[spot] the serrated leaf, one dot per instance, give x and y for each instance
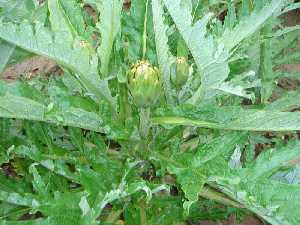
(250, 24)
(231, 118)
(291, 7)
(74, 14)
(240, 85)
(11, 185)
(57, 166)
(63, 209)
(40, 40)
(289, 59)
(38, 182)
(17, 10)
(266, 66)
(29, 222)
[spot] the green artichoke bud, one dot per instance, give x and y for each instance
(180, 72)
(144, 84)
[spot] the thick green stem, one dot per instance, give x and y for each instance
(209, 193)
(144, 122)
(124, 104)
(143, 214)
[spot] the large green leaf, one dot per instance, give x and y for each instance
(75, 57)
(230, 118)
(28, 222)
(252, 186)
(270, 161)
(24, 108)
(6, 50)
(66, 19)
(134, 31)
(17, 10)
(109, 26)
(59, 22)
(164, 56)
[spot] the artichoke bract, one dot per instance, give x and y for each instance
(144, 84)
(180, 72)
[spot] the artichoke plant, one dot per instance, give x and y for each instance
(144, 84)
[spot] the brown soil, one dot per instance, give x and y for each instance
(29, 68)
(232, 221)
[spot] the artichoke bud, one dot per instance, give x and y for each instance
(180, 72)
(144, 84)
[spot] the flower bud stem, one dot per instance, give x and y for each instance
(144, 121)
(145, 31)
